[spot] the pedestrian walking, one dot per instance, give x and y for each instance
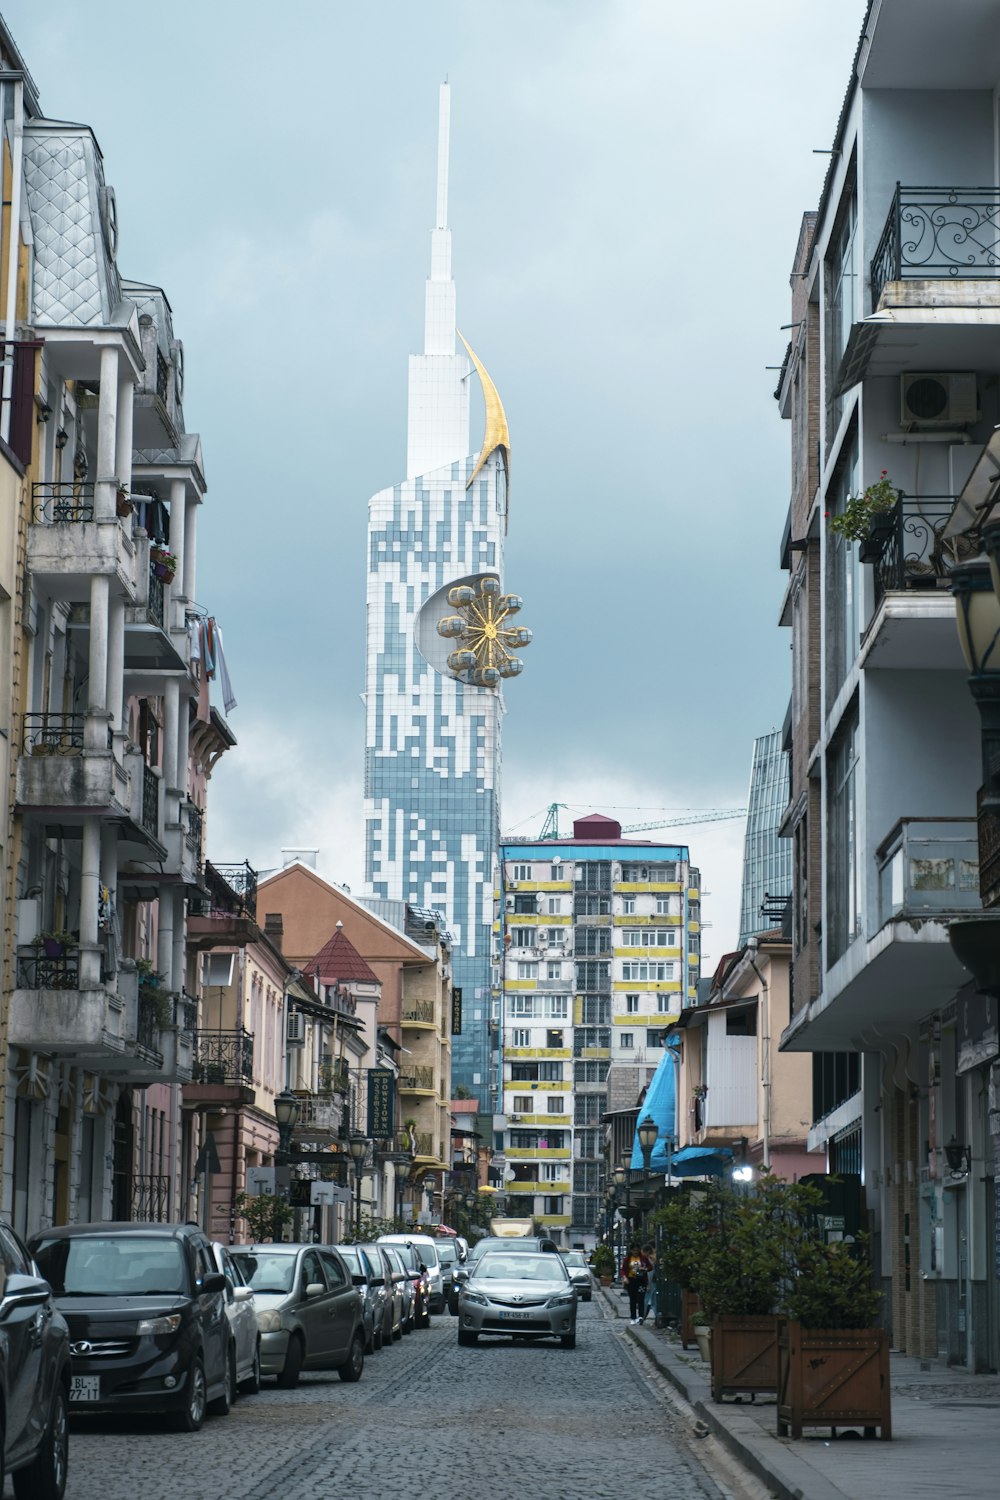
(635, 1273)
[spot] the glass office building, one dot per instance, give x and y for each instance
(767, 859)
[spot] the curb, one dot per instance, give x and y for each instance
(790, 1476)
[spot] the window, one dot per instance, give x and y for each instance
(553, 1205)
(667, 906)
(525, 937)
(595, 1010)
(558, 873)
(588, 1142)
(631, 1005)
(553, 971)
(842, 887)
(626, 1039)
(334, 1271)
(555, 906)
(536, 1072)
(591, 904)
(520, 1037)
(593, 977)
(553, 1038)
(844, 282)
(557, 1104)
(594, 875)
(551, 1171)
(585, 1212)
(592, 940)
(587, 1109)
(522, 1006)
(595, 1071)
(843, 576)
(586, 1177)
(628, 905)
(522, 872)
(642, 972)
(649, 937)
(585, 1037)
(665, 1002)
(654, 1037)
(526, 970)
(525, 905)
(524, 1104)
(742, 1022)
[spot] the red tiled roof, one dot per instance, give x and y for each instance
(340, 960)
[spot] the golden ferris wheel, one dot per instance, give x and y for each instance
(485, 638)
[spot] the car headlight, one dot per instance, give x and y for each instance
(269, 1320)
(476, 1297)
(169, 1324)
(565, 1299)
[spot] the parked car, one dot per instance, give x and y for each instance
(419, 1284)
(391, 1301)
(579, 1273)
(34, 1377)
(146, 1310)
(520, 1244)
(530, 1296)
(308, 1310)
(372, 1289)
(428, 1250)
(403, 1287)
(452, 1272)
(242, 1314)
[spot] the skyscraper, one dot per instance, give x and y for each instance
(433, 713)
(767, 859)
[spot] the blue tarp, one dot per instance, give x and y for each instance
(701, 1161)
(660, 1105)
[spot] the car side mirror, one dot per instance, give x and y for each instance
(358, 1280)
(315, 1289)
(213, 1282)
(23, 1291)
(242, 1293)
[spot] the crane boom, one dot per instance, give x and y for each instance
(550, 828)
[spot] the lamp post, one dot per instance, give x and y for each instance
(977, 607)
(620, 1175)
(286, 1112)
(358, 1148)
(647, 1133)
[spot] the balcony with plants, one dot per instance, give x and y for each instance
(69, 542)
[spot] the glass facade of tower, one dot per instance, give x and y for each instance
(767, 859)
(432, 755)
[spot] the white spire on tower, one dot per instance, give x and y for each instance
(439, 303)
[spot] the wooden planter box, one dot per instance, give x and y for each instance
(833, 1377)
(744, 1355)
(690, 1315)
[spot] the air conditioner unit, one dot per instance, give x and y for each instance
(937, 400)
(295, 1028)
(509, 903)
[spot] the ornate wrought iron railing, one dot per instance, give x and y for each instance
(416, 1077)
(232, 890)
(223, 1057)
(187, 1012)
(151, 1199)
(423, 1143)
(162, 377)
(418, 1010)
(910, 552)
(195, 823)
(150, 800)
(147, 1029)
(37, 971)
(60, 500)
(52, 734)
(334, 1077)
(931, 232)
(154, 605)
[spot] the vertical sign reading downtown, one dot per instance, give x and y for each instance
(381, 1103)
(456, 1011)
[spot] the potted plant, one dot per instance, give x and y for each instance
(54, 944)
(679, 1248)
(867, 518)
(123, 501)
(604, 1264)
(833, 1364)
(163, 562)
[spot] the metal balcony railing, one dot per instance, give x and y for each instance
(232, 890)
(57, 501)
(423, 1143)
(36, 971)
(195, 823)
(52, 734)
(162, 377)
(418, 1010)
(223, 1057)
(908, 550)
(154, 605)
(945, 233)
(187, 1012)
(147, 1030)
(150, 800)
(334, 1077)
(415, 1076)
(151, 1199)
(928, 868)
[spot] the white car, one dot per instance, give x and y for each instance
(242, 1315)
(427, 1249)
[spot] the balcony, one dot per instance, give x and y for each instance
(57, 771)
(67, 546)
(949, 234)
(419, 1015)
(182, 840)
(929, 869)
(423, 1144)
(416, 1079)
(151, 645)
(231, 891)
(223, 1057)
(913, 618)
(320, 1115)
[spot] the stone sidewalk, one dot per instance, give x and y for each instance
(944, 1421)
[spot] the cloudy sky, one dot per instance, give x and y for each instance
(627, 181)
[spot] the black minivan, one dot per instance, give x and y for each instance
(147, 1319)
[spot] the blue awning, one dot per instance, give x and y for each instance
(660, 1105)
(701, 1161)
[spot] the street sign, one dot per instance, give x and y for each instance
(381, 1103)
(208, 1157)
(323, 1192)
(260, 1180)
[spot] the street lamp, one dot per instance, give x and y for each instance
(977, 607)
(358, 1147)
(621, 1178)
(647, 1133)
(286, 1112)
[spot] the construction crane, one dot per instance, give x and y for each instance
(550, 828)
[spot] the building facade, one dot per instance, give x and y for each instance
(891, 376)
(767, 858)
(598, 945)
(432, 746)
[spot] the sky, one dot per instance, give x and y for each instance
(627, 183)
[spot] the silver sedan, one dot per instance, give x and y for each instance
(524, 1296)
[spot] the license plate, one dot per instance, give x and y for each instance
(85, 1388)
(514, 1315)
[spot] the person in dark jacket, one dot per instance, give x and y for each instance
(635, 1273)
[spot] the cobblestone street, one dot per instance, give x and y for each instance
(426, 1418)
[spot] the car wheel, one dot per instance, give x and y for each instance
(397, 1332)
(464, 1337)
(407, 1324)
(292, 1368)
(353, 1365)
(568, 1340)
(192, 1413)
(251, 1385)
(45, 1476)
(223, 1405)
(453, 1306)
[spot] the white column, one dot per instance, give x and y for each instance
(97, 687)
(123, 435)
(180, 942)
(107, 424)
(178, 510)
(90, 876)
(109, 857)
(116, 662)
(171, 695)
(190, 550)
(165, 934)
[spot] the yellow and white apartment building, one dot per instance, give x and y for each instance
(598, 948)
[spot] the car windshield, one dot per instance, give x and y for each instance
(499, 1267)
(447, 1254)
(350, 1254)
(267, 1271)
(95, 1265)
(408, 1256)
(577, 1260)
